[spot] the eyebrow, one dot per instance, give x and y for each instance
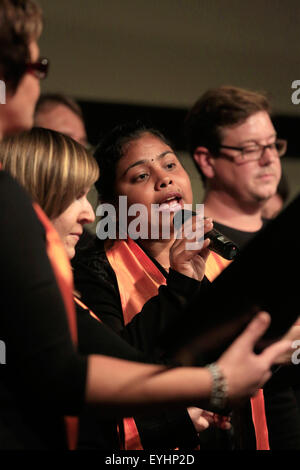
(249, 141)
(147, 160)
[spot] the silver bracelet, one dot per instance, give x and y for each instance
(219, 391)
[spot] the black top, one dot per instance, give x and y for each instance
(240, 237)
(43, 378)
(282, 410)
(160, 430)
(97, 284)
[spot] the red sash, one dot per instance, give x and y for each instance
(214, 266)
(138, 280)
(63, 273)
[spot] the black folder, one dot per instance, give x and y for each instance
(264, 276)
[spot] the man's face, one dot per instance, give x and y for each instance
(250, 181)
(60, 118)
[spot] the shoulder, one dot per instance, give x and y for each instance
(91, 259)
(17, 213)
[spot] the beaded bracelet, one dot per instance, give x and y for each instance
(219, 391)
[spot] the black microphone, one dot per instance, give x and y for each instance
(218, 242)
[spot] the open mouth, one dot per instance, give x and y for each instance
(172, 203)
(75, 236)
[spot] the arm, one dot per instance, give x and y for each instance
(117, 386)
(162, 429)
(138, 386)
(95, 280)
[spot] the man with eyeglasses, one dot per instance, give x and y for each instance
(235, 147)
(237, 152)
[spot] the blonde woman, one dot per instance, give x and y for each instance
(44, 375)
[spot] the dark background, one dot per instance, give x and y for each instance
(100, 117)
(151, 60)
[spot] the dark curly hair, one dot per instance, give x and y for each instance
(112, 148)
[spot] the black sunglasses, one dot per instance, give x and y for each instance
(39, 68)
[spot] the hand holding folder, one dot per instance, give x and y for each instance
(263, 277)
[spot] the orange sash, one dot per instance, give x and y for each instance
(138, 277)
(214, 266)
(138, 280)
(63, 273)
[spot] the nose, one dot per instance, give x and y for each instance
(268, 156)
(87, 214)
(163, 181)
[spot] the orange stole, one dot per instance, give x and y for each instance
(138, 280)
(138, 277)
(63, 273)
(214, 266)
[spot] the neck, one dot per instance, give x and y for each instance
(228, 210)
(158, 249)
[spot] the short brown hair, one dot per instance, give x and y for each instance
(48, 100)
(52, 167)
(219, 108)
(20, 23)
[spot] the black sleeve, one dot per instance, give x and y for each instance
(282, 411)
(94, 337)
(41, 362)
(97, 284)
(159, 430)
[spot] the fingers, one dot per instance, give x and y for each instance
(194, 228)
(201, 419)
(208, 224)
(190, 244)
(272, 353)
(222, 422)
(191, 248)
(256, 328)
(254, 331)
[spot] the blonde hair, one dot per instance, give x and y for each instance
(52, 167)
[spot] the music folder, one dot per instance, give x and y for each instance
(264, 276)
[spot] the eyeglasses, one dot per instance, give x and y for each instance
(39, 68)
(255, 151)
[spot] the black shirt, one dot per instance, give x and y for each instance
(43, 378)
(282, 410)
(97, 284)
